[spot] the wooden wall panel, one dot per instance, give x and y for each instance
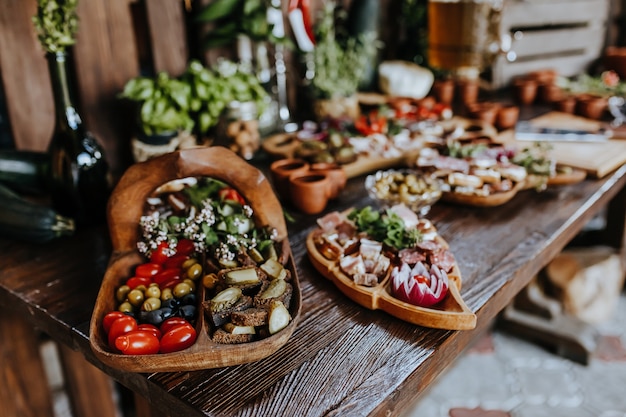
(25, 77)
(166, 22)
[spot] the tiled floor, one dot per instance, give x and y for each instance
(503, 376)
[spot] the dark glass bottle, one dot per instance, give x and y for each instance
(79, 182)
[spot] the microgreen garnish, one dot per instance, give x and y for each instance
(386, 227)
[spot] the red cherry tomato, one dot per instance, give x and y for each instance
(171, 283)
(178, 338)
(137, 342)
(109, 318)
(230, 194)
(185, 247)
(166, 275)
(175, 261)
(134, 282)
(147, 270)
(160, 254)
(172, 322)
(121, 326)
(147, 327)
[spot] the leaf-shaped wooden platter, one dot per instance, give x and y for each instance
(125, 209)
(450, 314)
(491, 200)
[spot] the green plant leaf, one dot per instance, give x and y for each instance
(218, 9)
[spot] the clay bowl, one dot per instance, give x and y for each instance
(126, 206)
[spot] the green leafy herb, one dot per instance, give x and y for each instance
(56, 23)
(385, 227)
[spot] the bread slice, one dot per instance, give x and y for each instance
(223, 337)
(249, 317)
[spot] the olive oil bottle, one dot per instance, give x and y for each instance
(80, 181)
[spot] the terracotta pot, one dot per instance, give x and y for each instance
(591, 107)
(282, 169)
(485, 112)
(525, 90)
(550, 92)
(335, 173)
(467, 91)
(507, 117)
(443, 90)
(543, 76)
(566, 105)
(310, 191)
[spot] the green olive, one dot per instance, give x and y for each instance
(181, 289)
(121, 293)
(188, 263)
(135, 297)
(195, 271)
(191, 283)
(151, 304)
(153, 291)
(125, 307)
(166, 294)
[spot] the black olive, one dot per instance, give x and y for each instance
(172, 304)
(190, 298)
(188, 312)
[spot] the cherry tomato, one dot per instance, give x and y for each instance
(230, 194)
(109, 318)
(185, 247)
(178, 338)
(137, 342)
(134, 282)
(160, 254)
(147, 327)
(171, 283)
(121, 326)
(166, 275)
(172, 322)
(422, 279)
(175, 261)
(147, 270)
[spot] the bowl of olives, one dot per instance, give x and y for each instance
(404, 186)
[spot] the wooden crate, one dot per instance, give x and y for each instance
(566, 35)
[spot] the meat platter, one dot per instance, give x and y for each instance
(227, 285)
(336, 248)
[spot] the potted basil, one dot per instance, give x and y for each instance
(164, 113)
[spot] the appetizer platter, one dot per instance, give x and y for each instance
(393, 261)
(201, 274)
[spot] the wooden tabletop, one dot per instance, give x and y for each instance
(342, 360)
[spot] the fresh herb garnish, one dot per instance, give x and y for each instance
(386, 227)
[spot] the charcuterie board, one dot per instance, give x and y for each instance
(451, 313)
(125, 211)
(285, 145)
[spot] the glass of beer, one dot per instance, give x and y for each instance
(463, 35)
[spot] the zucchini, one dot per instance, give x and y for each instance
(25, 171)
(27, 221)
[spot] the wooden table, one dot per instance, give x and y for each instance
(343, 360)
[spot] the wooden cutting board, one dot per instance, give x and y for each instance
(597, 158)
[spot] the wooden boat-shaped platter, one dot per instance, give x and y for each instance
(450, 314)
(126, 206)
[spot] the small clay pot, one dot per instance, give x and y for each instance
(485, 112)
(591, 107)
(543, 76)
(507, 116)
(566, 104)
(282, 169)
(615, 59)
(525, 90)
(310, 191)
(335, 173)
(443, 91)
(467, 91)
(550, 93)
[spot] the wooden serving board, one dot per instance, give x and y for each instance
(125, 208)
(450, 314)
(284, 145)
(597, 158)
